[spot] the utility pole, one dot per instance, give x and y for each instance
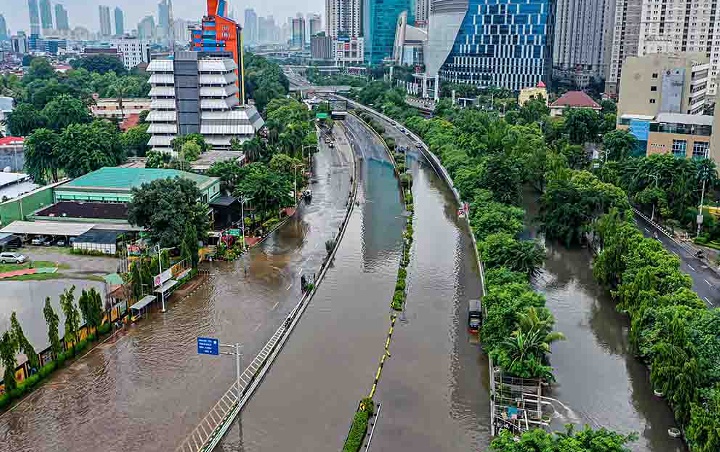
(162, 292)
(652, 216)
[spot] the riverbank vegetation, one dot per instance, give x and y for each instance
(77, 337)
(490, 158)
(585, 440)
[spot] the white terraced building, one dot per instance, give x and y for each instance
(198, 93)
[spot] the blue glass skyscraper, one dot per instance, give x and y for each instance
(379, 25)
(500, 43)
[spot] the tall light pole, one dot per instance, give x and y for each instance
(704, 175)
(652, 216)
(162, 292)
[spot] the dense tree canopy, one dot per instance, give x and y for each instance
(166, 207)
(100, 63)
(83, 148)
(264, 80)
(41, 157)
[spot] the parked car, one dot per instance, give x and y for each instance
(12, 258)
(37, 240)
(47, 241)
(60, 242)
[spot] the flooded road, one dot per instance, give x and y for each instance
(432, 390)
(598, 378)
(308, 398)
(146, 390)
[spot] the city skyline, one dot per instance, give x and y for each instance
(85, 12)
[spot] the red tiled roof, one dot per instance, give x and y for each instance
(131, 121)
(575, 99)
(11, 140)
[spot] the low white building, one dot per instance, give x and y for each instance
(198, 93)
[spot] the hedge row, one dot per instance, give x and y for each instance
(28, 384)
(359, 427)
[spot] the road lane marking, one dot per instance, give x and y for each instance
(288, 287)
(707, 299)
(647, 230)
(691, 267)
(258, 326)
(275, 305)
(708, 283)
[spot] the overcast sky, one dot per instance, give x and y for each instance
(85, 12)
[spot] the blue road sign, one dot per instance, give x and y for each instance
(208, 346)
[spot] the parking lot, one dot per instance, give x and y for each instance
(70, 265)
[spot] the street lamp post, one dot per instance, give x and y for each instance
(238, 357)
(162, 292)
(652, 216)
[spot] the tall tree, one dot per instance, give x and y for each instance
(135, 140)
(65, 110)
(40, 69)
(53, 321)
(165, 207)
(91, 308)
(101, 64)
(582, 125)
(8, 349)
(23, 344)
(41, 160)
(619, 144)
(72, 316)
(24, 120)
(83, 148)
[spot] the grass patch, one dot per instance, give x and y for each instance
(36, 264)
(35, 277)
(355, 438)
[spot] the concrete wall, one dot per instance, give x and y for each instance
(14, 158)
(661, 143)
(18, 208)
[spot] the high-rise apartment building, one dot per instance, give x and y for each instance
(19, 43)
(250, 30)
(297, 37)
(344, 18)
(488, 43)
(146, 29)
(164, 8)
(422, 12)
(645, 27)
(61, 18)
(34, 17)
(379, 26)
(46, 19)
(580, 37)
(119, 22)
(104, 12)
(219, 33)
(3, 29)
(196, 92)
(314, 25)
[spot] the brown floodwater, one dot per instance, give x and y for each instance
(146, 389)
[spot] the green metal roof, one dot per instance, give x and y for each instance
(115, 178)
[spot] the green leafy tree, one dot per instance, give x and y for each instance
(586, 440)
(40, 69)
(268, 189)
(23, 344)
(157, 159)
(72, 316)
(24, 120)
(229, 173)
(619, 144)
(179, 142)
(41, 159)
(83, 148)
(101, 64)
(703, 431)
(53, 321)
(502, 250)
(135, 140)
(8, 349)
(190, 151)
(582, 125)
(65, 110)
(90, 304)
(165, 207)
(189, 249)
